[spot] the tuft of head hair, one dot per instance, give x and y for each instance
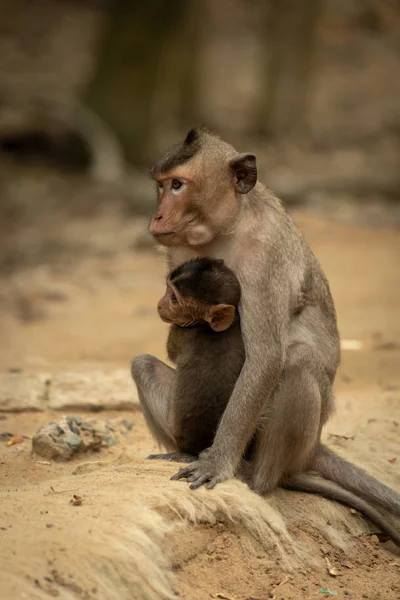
(180, 153)
(192, 136)
(208, 280)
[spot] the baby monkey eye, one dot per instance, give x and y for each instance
(176, 184)
(173, 299)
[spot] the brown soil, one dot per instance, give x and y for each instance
(98, 314)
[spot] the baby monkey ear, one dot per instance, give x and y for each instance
(244, 167)
(220, 317)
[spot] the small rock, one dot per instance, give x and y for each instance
(86, 426)
(48, 446)
(76, 500)
(73, 441)
(109, 440)
(72, 426)
(62, 440)
(345, 563)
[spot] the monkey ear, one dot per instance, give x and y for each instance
(192, 136)
(220, 316)
(244, 167)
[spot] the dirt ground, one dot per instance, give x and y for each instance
(96, 315)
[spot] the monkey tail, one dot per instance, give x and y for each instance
(310, 483)
(352, 478)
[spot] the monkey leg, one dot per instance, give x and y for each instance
(290, 427)
(154, 381)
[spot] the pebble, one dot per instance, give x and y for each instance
(62, 440)
(73, 440)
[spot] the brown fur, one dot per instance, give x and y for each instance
(205, 343)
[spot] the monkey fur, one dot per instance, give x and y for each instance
(206, 346)
(211, 204)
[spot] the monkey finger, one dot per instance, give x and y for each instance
(199, 482)
(212, 483)
(183, 473)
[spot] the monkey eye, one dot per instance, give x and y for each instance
(173, 299)
(176, 184)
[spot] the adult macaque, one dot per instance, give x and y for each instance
(211, 204)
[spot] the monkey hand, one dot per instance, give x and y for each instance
(208, 469)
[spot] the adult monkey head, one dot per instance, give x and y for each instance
(200, 181)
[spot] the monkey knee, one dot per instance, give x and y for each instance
(141, 365)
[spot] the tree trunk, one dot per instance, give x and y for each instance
(287, 53)
(123, 87)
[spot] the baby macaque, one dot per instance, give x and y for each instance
(206, 344)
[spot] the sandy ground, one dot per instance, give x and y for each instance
(99, 313)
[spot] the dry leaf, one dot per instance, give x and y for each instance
(17, 439)
(392, 460)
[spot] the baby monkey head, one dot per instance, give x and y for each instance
(201, 291)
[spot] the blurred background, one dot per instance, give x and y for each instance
(91, 92)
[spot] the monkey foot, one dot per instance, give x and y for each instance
(173, 457)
